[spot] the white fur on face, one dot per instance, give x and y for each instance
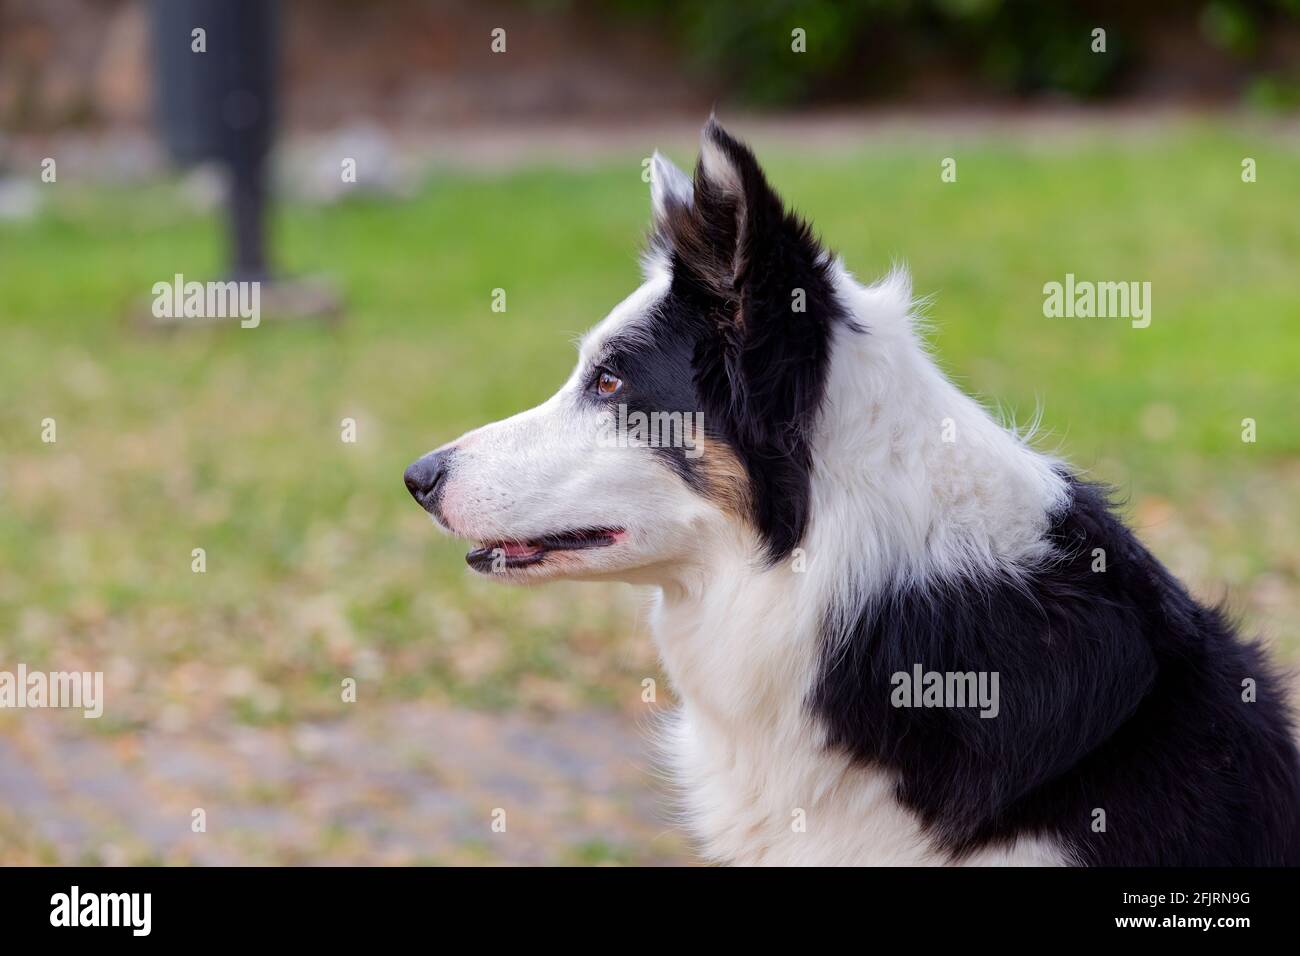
(551, 470)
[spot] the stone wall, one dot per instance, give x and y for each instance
(85, 63)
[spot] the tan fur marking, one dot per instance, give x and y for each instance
(725, 479)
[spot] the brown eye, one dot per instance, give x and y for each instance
(607, 384)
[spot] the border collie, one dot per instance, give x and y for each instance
(846, 551)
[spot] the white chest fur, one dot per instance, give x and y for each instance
(758, 785)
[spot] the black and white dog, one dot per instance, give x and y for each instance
(844, 553)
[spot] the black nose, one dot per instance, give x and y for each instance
(425, 478)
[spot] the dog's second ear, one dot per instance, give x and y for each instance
(669, 188)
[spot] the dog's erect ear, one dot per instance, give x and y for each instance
(763, 284)
(741, 212)
(669, 188)
(733, 232)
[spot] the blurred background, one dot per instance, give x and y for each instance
(513, 161)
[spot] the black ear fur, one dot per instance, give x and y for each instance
(749, 265)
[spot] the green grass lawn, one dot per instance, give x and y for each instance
(320, 567)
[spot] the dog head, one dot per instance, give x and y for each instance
(689, 413)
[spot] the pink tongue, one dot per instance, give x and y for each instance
(517, 549)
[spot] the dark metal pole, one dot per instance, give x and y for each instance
(216, 83)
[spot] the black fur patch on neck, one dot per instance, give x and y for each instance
(752, 287)
(1118, 693)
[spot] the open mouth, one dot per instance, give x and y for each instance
(499, 555)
